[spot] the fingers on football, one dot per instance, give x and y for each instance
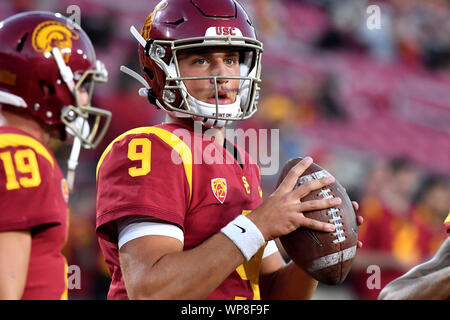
(313, 205)
(355, 205)
(309, 186)
(315, 224)
(359, 244)
(296, 171)
(359, 220)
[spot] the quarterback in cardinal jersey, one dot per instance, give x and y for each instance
(150, 172)
(180, 213)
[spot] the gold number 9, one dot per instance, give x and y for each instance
(139, 149)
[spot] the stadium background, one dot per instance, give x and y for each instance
(353, 98)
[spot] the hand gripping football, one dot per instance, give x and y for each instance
(326, 256)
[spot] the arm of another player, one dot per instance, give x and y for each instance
(15, 248)
(288, 281)
(155, 267)
(430, 280)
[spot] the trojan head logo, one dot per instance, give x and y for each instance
(219, 188)
(145, 32)
(50, 34)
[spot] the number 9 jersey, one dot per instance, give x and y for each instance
(172, 173)
(33, 196)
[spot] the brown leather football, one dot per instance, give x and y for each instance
(326, 256)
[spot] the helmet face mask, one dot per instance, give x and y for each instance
(176, 26)
(53, 61)
(96, 121)
(175, 84)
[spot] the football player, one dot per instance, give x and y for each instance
(47, 72)
(172, 226)
(429, 280)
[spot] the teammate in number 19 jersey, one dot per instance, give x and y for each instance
(47, 72)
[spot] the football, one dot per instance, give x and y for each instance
(326, 256)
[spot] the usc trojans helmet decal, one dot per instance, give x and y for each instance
(148, 22)
(49, 34)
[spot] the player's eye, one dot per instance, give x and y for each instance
(200, 61)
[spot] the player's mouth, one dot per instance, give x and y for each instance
(222, 97)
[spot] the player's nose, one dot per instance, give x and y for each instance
(220, 69)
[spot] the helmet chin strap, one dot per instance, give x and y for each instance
(82, 126)
(66, 72)
(136, 76)
(12, 99)
(79, 123)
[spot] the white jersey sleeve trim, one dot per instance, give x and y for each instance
(270, 249)
(140, 229)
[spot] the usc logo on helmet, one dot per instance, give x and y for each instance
(145, 32)
(49, 34)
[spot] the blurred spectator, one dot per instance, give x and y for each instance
(431, 207)
(393, 240)
(267, 16)
(329, 102)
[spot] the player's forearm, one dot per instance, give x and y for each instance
(433, 286)
(190, 274)
(10, 291)
(429, 280)
(288, 283)
(15, 247)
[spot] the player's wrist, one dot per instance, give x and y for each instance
(245, 235)
(259, 223)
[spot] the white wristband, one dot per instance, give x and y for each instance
(245, 235)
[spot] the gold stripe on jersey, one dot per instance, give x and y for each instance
(65, 294)
(169, 138)
(18, 140)
(447, 220)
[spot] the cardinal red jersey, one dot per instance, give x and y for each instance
(174, 174)
(33, 195)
